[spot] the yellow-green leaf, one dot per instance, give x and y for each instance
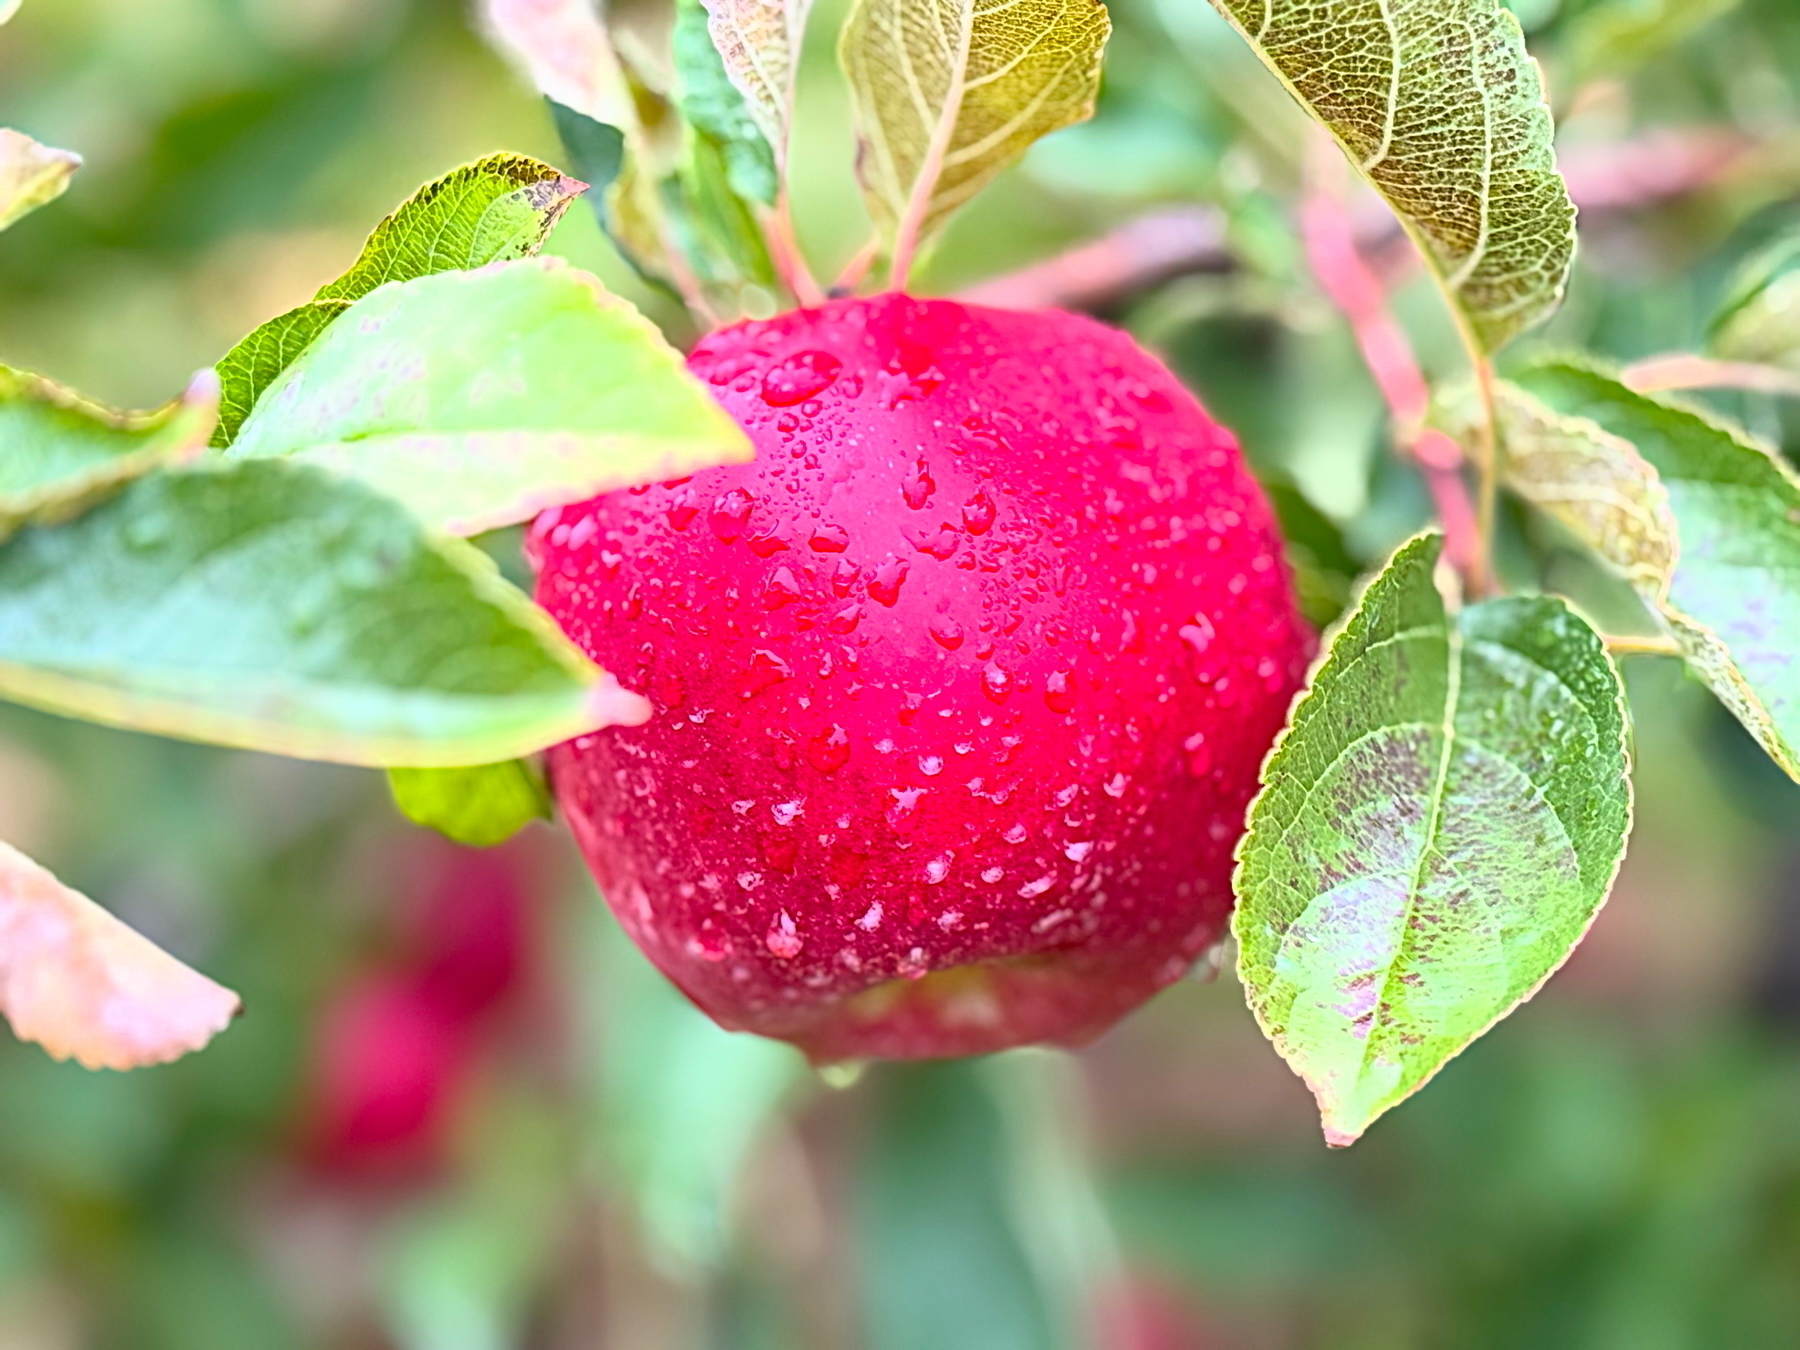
(1440, 107)
(85, 987)
(499, 208)
(481, 806)
(30, 174)
(1733, 601)
(949, 92)
(479, 399)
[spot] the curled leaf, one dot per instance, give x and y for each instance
(86, 987)
(31, 174)
(1439, 105)
(949, 92)
(1439, 825)
(1595, 483)
(1733, 601)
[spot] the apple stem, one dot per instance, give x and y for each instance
(1346, 277)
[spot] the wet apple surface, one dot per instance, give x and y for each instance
(961, 688)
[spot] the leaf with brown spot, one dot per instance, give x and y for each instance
(84, 986)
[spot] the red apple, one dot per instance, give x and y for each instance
(961, 687)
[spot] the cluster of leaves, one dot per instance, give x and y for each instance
(1445, 813)
(279, 560)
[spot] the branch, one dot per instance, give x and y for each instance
(1346, 277)
(1138, 256)
(1156, 248)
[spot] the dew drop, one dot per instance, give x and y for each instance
(885, 585)
(918, 485)
(1059, 691)
(978, 513)
(947, 632)
(995, 682)
(829, 539)
(782, 588)
(730, 513)
(783, 939)
(829, 750)
(798, 377)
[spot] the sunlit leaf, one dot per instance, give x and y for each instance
(85, 987)
(59, 451)
(1734, 600)
(482, 398)
(481, 805)
(275, 607)
(758, 42)
(30, 174)
(1438, 104)
(1593, 482)
(716, 109)
(949, 92)
(1439, 825)
(496, 209)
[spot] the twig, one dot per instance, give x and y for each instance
(1682, 370)
(1137, 256)
(1347, 278)
(1142, 254)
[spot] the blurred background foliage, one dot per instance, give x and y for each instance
(461, 1113)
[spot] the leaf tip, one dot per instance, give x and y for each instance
(611, 704)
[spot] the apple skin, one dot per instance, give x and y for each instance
(961, 688)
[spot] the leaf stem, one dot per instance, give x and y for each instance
(1353, 286)
(786, 255)
(857, 268)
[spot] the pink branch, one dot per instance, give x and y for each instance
(1328, 230)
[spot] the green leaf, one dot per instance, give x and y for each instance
(948, 93)
(30, 174)
(1760, 318)
(716, 110)
(1734, 599)
(595, 149)
(1439, 825)
(275, 607)
(1440, 107)
(481, 805)
(481, 398)
(758, 49)
(499, 208)
(59, 451)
